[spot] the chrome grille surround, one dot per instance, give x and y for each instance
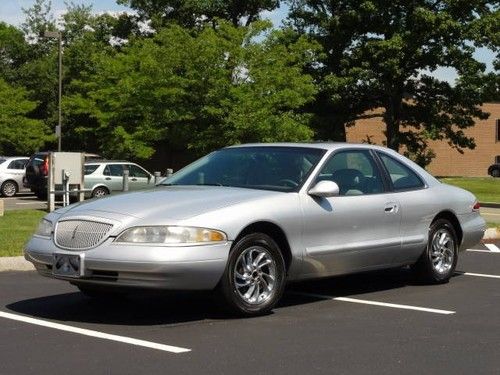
(80, 234)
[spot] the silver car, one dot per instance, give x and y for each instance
(12, 170)
(245, 219)
(103, 177)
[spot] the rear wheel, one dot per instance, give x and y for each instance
(437, 263)
(9, 189)
(254, 279)
(100, 192)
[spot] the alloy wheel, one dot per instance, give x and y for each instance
(442, 251)
(255, 275)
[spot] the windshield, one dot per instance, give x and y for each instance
(269, 168)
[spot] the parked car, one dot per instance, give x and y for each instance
(494, 170)
(246, 219)
(12, 171)
(37, 171)
(103, 177)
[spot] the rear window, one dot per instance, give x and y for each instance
(89, 169)
(37, 160)
(2, 161)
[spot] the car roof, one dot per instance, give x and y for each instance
(319, 145)
(13, 157)
(108, 162)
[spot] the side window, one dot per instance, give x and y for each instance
(113, 170)
(136, 171)
(17, 164)
(402, 177)
(354, 171)
(89, 169)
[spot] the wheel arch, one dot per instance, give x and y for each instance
(100, 186)
(452, 218)
(275, 232)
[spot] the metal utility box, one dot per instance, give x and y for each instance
(66, 172)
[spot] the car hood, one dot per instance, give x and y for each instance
(170, 202)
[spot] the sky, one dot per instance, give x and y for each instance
(11, 12)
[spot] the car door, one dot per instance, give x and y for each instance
(416, 207)
(139, 178)
(16, 171)
(358, 229)
(113, 177)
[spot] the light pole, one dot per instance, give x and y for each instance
(57, 35)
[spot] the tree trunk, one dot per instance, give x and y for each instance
(392, 119)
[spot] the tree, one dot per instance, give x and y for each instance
(380, 54)
(189, 13)
(19, 133)
(203, 90)
(13, 51)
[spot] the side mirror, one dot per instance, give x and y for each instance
(325, 189)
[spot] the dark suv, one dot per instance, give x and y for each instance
(494, 170)
(37, 171)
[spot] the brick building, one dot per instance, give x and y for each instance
(448, 161)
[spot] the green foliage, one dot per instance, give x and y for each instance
(18, 132)
(379, 53)
(203, 90)
(190, 13)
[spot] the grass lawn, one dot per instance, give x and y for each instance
(486, 189)
(16, 227)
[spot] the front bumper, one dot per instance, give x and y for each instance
(143, 266)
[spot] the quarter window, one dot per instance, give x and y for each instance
(497, 159)
(354, 171)
(89, 169)
(402, 177)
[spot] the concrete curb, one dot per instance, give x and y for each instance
(15, 264)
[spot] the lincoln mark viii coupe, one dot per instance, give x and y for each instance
(246, 219)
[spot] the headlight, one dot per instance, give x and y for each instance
(44, 228)
(170, 235)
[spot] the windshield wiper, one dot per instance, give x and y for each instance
(211, 184)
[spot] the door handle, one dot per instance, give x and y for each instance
(134, 179)
(108, 178)
(391, 208)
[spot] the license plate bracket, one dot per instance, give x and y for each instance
(68, 265)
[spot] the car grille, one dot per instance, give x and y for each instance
(80, 234)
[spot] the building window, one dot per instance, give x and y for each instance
(497, 159)
(498, 131)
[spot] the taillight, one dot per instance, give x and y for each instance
(476, 206)
(45, 166)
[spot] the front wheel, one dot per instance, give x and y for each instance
(100, 192)
(9, 189)
(254, 279)
(437, 263)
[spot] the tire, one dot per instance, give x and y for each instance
(437, 264)
(495, 173)
(9, 189)
(100, 192)
(254, 292)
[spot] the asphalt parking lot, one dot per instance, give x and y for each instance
(377, 322)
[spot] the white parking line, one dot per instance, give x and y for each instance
(376, 303)
(479, 251)
(492, 247)
(479, 275)
(91, 333)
